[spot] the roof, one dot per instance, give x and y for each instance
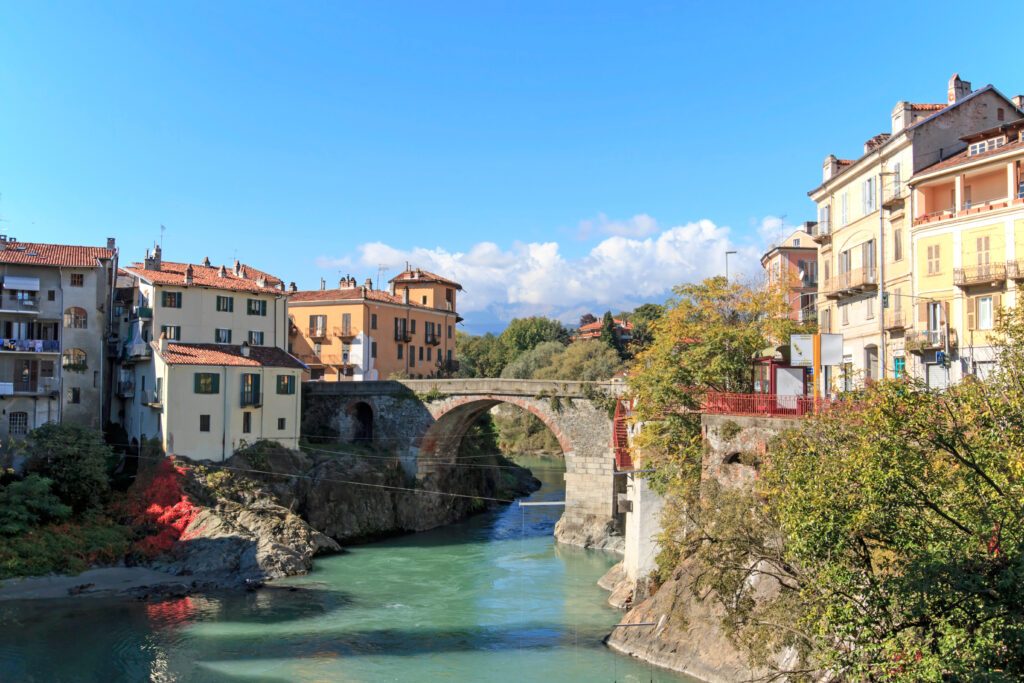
(354, 294)
(596, 326)
(417, 275)
(53, 255)
(227, 354)
(247, 279)
(963, 158)
(923, 106)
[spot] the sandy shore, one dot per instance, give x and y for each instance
(111, 581)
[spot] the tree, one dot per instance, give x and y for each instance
(587, 319)
(76, 459)
(29, 502)
(479, 356)
(609, 335)
(525, 366)
(586, 360)
(646, 313)
(522, 334)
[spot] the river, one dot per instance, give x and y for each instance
(489, 599)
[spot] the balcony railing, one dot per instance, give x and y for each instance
(925, 340)
(432, 338)
(126, 389)
(20, 305)
(251, 398)
(893, 194)
(344, 333)
(895, 320)
(979, 275)
(851, 282)
(317, 332)
(137, 351)
(1015, 269)
(403, 335)
(151, 397)
(766, 405)
(30, 345)
(822, 231)
(968, 209)
(142, 312)
(35, 386)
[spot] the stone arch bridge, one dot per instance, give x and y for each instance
(424, 422)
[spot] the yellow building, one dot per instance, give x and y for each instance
(793, 263)
(863, 227)
(356, 333)
(204, 367)
(968, 246)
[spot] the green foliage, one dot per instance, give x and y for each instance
(433, 394)
(523, 334)
(587, 360)
(522, 432)
(27, 503)
(526, 365)
(587, 319)
(481, 356)
(729, 430)
(608, 336)
(67, 548)
(76, 459)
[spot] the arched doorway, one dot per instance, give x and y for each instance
(362, 422)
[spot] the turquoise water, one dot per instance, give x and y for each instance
(490, 599)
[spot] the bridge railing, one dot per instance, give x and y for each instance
(762, 405)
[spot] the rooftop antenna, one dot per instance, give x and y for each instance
(381, 267)
(163, 229)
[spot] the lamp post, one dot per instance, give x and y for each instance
(727, 254)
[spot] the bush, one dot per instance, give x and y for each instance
(76, 459)
(28, 502)
(64, 548)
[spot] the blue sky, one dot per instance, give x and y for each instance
(557, 157)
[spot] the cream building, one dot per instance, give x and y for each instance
(204, 366)
(865, 258)
(968, 246)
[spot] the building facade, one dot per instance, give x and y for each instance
(53, 331)
(357, 333)
(968, 247)
(203, 366)
(621, 329)
(793, 265)
(865, 261)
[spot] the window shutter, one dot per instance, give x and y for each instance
(997, 303)
(256, 384)
(922, 313)
(945, 316)
(195, 383)
(215, 384)
(972, 313)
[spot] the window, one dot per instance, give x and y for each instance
(286, 384)
(897, 244)
(449, 295)
(897, 179)
(17, 424)
(868, 198)
(373, 321)
(428, 352)
(412, 326)
(77, 280)
(844, 215)
(250, 389)
(449, 331)
(74, 395)
(1000, 114)
(170, 299)
(346, 324)
(424, 299)
(421, 353)
(223, 336)
(171, 332)
(870, 308)
(373, 349)
(984, 312)
(846, 313)
(256, 307)
(76, 318)
(74, 359)
(51, 295)
(206, 383)
(46, 368)
(204, 423)
(824, 216)
(933, 260)
(226, 304)
(318, 326)
(412, 355)
(983, 244)
(281, 424)
(400, 352)
(256, 337)
(899, 366)
(246, 422)
(986, 145)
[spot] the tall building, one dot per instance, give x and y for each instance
(968, 252)
(53, 318)
(356, 332)
(793, 264)
(204, 367)
(863, 226)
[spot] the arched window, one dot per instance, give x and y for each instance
(76, 318)
(17, 424)
(74, 359)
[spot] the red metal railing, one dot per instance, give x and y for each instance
(620, 436)
(764, 405)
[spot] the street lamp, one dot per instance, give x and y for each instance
(727, 264)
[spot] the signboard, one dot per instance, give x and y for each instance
(801, 350)
(831, 349)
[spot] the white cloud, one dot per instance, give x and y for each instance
(640, 225)
(618, 273)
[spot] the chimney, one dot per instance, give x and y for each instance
(958, 89)
(237, 267)
(405, 295)
(292, 287)
(206, 261)
(111, 243)
(152, 262)
(222, 272)
(1018, 101)
(245, 349)
(830, 167)
(323, 284)
(901, 116)
(163, 343)
(188, 274)
(261, 281)
(368, 284)
(808, 227)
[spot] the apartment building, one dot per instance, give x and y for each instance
(53, 327)
(863, 226)
(793, 265)
(357, 332)
(968, 247)
(204, 366)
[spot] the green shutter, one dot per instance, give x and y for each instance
(215, 384)
(197, 377)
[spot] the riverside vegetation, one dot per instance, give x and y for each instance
(889, 528)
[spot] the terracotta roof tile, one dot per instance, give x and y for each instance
(924, 106)
(964, 158)
(227, 354)
(172, 273)
(56, 255)
(415, 275)
(348, 294)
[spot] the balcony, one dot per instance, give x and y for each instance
(138, 351)
(345, 334)
(35, 386)
(20, 305)
(894, 194)
(969, 209)
(1015, 269)
(317, 332)
(126, 389)
(895, 320)
(918, 341)
(432, 339)
(988, 273)
(151, 397)
(934, 216)
(822, 232)
(142, 312)
(30, 345)
(403, 336)
(251, 398)
(309, 358)
(851, 282)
